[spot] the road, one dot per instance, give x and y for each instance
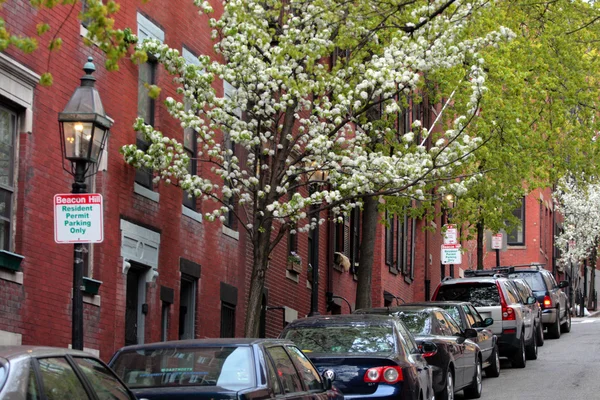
(567, 368)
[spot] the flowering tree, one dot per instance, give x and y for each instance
(580, 207)
(294, 115)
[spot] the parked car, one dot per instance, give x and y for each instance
(221, 369)
(369, 356)
(495, 296)
(468, 317)
(556, 315)
(31, 372)
(525, 292)
(457, 361)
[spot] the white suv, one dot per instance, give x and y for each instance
(495, 296)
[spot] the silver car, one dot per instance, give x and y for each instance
(30, 372)
(494, 296)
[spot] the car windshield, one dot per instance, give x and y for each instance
(480, 294)
(535, 280)
(343, 338)
(228, 367)
(417, 322)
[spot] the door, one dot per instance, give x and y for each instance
(526, 313)
(132, 306)
(289, 379)
(485, 338)
(450, 330)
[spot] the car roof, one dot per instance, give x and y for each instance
(14, 352)
(441, 303)
(474, 279)
(224, 342)
(343, 319)
(407, 307)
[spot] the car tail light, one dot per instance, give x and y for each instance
(508, 331)
(508, 313)
(384, 375)
(547, 302)
(427, 353)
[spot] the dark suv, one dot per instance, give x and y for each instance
(556, 315)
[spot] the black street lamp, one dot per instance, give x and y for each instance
(83, 131)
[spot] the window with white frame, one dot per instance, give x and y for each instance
(8, 134)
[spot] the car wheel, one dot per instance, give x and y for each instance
(493, 371)
(566, 327)
(554, 329)
(540, 335)
(474, 391)
(448, 392)
(519, 359)
(531, 351)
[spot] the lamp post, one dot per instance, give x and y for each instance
(83, 131)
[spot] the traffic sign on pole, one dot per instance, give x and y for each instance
(497, 241)
(78, 218)
(451, 254)
(450, 234)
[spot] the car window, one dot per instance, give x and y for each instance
(309, 374)
(510, 293)
(480, 294)
(359, 338)
(228, 366)
(105, 384)
(275, 385)
(452, 325)
(520, 290)
(406, 338)
(553, 281)
(454, 312)
(470, 317)
(477, 316)
(3, 372)
(535, 280)
(285, 369)
(417, 322)
(59, 381)
(33, 392)
(549, 283)
(445, 329)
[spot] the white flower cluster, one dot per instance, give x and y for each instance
(580, 207)
(296, 116)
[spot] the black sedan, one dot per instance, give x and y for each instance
(221, 369)
(467, 317)
(368, 356)
(456, 361)
(36, 372)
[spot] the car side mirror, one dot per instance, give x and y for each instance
(328, 378)
(563, 284)
(531, 300)
(488, 322)
(470, 333)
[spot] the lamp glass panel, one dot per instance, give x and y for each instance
(97, 143)
(77, 136)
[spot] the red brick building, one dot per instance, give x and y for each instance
(163, 273)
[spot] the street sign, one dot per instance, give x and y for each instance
(451, 254)
(78, 218)
(497, 241)
(450, 234)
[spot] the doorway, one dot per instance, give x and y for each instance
(134, 299)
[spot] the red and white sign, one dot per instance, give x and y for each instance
(450, 234)
(78, 218)
(451, 254)
(497, 241)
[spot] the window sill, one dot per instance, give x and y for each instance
(12, 276)
(516, 247)
(145, 192)
(308, 285)
(292, 276)
(188, 212)
(231, 233)
(91, 299)
(408, 280)
(393, 270)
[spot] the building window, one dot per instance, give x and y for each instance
(227, 320)
(389, 239)
(164, 322)
(187, 307)
(230, 220)
(8, 133)
(146, 77)
(190, 143)
(354, 239)
(402, 243)
(516, 236)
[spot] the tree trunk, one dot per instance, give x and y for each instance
(480, 238)
(260, 263)
(592, 291)
(367, 247)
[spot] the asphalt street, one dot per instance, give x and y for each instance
(567, 368)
